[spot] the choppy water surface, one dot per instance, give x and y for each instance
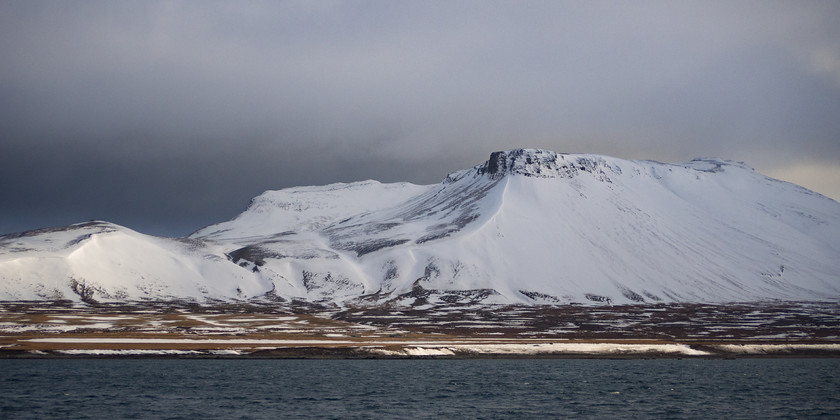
(172, 388)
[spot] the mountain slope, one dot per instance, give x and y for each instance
(527, 226)
(100, 261)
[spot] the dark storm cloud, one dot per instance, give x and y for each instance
(166, 116)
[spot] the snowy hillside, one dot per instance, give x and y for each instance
(527, 226)
(104, 262)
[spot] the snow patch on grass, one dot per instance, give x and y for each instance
(127, 352)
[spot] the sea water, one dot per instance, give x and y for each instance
(487, 388)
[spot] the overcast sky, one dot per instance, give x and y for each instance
(169, 116)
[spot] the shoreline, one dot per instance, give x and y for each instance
(233, 348)
(160, 330)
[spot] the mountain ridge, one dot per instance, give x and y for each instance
(526, 226)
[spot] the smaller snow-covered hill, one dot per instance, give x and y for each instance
(106, 262)
(527, 226)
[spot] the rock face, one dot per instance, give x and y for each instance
(541, 164)
(527, 226)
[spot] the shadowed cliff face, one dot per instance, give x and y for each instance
(544, 164)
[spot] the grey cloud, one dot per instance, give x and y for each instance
(170, 115)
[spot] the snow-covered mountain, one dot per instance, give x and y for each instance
(527, 226)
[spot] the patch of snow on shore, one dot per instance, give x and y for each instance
(127, 352)
(541, 348)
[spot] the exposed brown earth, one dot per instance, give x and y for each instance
(61, 329)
